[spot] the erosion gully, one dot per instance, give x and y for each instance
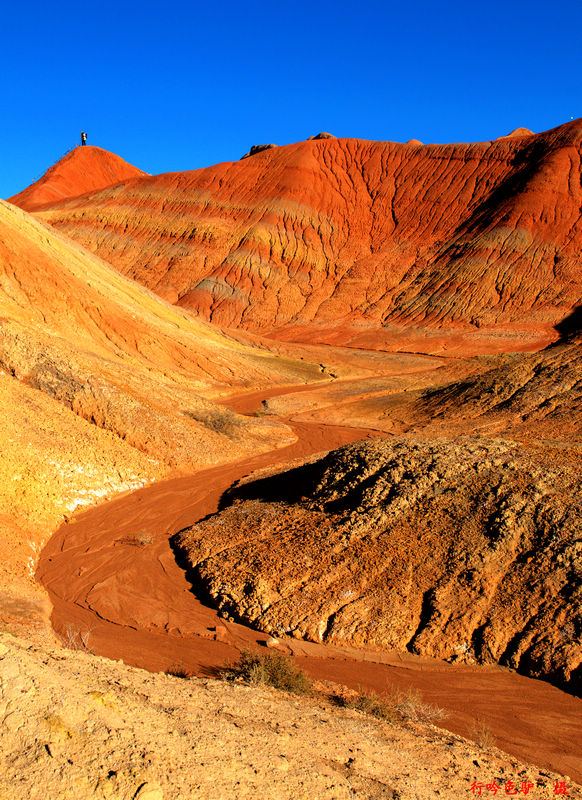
(135, 604)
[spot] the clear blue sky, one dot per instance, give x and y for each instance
(180, 85)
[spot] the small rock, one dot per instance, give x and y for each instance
(149, 791)
(272, 641)
(257, 148)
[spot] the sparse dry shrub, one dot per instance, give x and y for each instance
(219, 420)
(141, 539)
(76, 639)
(269, 670)
(178, 670)
(369, 702)
(482, 734)
(411, 706)
(395, 706)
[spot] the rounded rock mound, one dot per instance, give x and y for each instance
(82, 170)
(464, 549)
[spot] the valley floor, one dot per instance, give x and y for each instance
(112, 576)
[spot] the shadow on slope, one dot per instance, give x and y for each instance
(571, 326)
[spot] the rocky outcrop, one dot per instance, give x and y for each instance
(84, 169)
(439, 248)
(258, 148)
(466, 550)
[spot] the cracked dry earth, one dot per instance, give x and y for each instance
(78, 726)
(466, 550)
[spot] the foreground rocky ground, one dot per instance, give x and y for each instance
(76, 726)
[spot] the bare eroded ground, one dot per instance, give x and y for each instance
(112, 572)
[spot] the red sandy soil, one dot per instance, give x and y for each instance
(463, 248)
(111, 572)
(84, 169)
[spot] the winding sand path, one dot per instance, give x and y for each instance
(111, 573)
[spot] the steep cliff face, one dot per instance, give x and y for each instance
(84, 169)
(472, 246)
(459, 549)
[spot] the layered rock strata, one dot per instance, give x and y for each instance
(462, 247)
(101, 387)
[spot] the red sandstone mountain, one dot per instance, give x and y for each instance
(518, 132)
(84, 169)
(377, 244)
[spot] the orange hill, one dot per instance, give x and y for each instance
(84, 169)
(104, 387)
(463, 247)
(118, 356)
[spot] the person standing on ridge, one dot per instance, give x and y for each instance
(83, 138)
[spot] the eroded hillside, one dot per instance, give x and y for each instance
(464, 247)
(467, 549)
(101, 387)
(533, 397)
